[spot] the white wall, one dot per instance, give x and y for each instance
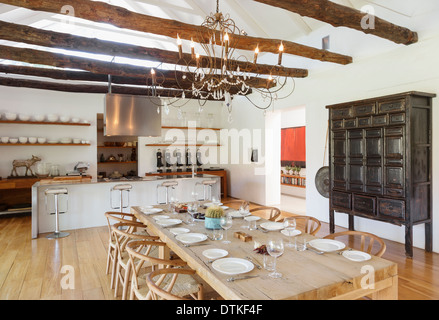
(31, 102)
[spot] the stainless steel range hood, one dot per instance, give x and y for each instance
(128, 115)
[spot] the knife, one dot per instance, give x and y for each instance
(231, 279)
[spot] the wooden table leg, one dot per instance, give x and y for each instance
(389, 293)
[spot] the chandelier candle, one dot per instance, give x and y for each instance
(180, 48)
(256, 55)
(281, 50)
(192, 48)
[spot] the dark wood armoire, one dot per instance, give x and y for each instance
(381, 162)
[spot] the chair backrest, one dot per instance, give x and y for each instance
(139, 252)
(235, 204)
(367, 241)
(270, 213)
(155, 282)
(122, 237)
(308, 224)
(115, 217)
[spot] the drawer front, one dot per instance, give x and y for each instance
(363, 204)
(351, 123)
(374, 190)
(364, 122)
(394, 192)
(379, 120)
(341, 113)
(337, 124)
(341, 200)
(391, 106)
(364, 110)
(390, 208)
(397, 118)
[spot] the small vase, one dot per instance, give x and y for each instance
(212, 223)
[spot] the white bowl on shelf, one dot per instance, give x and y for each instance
(75, 120)
(39, 117)
(76, 141)
(5, 139)
(41, 140)
(24, 117)
(10, 116)
(66, 140)
(13, 140)
(22, 139)
(32, 140)
(64, 118)
(52, 117)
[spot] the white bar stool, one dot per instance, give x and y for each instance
(207, 186)
(121, 188)
(56, 192)
(167, 185)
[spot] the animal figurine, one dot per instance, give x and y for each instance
(24, 163)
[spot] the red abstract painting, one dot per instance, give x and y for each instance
(293, 146)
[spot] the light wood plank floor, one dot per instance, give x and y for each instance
(30, 268)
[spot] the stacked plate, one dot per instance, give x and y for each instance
(327, 245)
(168, 222)
(150, 210)
(237, 214)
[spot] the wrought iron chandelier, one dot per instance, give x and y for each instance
(219, 71)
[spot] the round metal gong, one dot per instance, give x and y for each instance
(322, 181)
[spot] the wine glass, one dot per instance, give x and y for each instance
(275, 248)
(192, 210)
(173, 203)
(226, 223)
(215, 200)
(289, 228)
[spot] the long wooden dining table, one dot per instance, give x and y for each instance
(305, 274)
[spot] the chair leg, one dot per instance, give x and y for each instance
(126, 283)
(117, 280)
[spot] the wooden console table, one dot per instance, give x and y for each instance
(220, 173)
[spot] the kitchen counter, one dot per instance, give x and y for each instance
(87, 201)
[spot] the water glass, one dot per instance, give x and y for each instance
(300, 244)
(268, 262)
(217, 234)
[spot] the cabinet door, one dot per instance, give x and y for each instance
(356, 160)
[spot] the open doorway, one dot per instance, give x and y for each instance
(293, 160)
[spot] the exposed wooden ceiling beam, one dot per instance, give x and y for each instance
(341, 16)
(102, 12)
(168, 78)
(83, 88)
(20, 33)
(61, 74)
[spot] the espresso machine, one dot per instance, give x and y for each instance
(168, 162)
(188, 160)
(199, 163)
(180, 163)
(159, 156)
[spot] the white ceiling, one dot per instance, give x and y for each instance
(256, 19)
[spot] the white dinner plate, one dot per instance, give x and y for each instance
(236, 214)
(233, 265)
(272, 226)
(357, 256)
(294, 233)
(176, 231)
(156, 218)
(190, 238)
(215, 253)
(252, 218)
(168, 222)
(147, 210)
(327, 245)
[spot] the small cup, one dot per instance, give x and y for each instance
(5, 139)
(217, 234)
(300, 243)
(269, 262)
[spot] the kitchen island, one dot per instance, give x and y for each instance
(87, 202)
